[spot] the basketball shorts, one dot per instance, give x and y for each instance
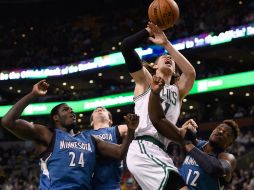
(149, 164)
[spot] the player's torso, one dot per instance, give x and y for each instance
(71, 163)
(107, 172)
(171, 105)
(195, 177)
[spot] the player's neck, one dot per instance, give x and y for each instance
(63, 128)
(99, 125)
(210, 148)
(165, 77)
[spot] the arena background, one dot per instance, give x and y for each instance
(75, 45)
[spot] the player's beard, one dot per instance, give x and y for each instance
(71, 126)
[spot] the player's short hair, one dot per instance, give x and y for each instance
(109, 115)
(53, 112)
(152, 70)
(234, 126)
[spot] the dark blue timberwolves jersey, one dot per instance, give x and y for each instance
(107, 171)
(71, 163)
(195, 177)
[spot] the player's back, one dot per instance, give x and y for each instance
(70, 164)
(107, 171)
(195, 177)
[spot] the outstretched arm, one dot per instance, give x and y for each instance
(119, 151)
(22, 128)
(156, 114)
(188, 75)
(158, 118)
(222, 166)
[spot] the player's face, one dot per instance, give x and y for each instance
(101, 114)
(166, 64)
(222, 136)
(67, 117)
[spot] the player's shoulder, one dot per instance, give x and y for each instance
(227, 156)
(122, 130)
(88, 132)
(43, 129)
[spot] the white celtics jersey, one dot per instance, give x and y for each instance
(171, 105)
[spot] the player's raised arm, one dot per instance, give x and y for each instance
(119, 151)
(22, 128)
(134, 64)
(188, 75)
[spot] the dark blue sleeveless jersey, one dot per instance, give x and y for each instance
(107, 171)
(195, 177)
(71, 163)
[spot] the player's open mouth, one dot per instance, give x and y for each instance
(168, 62)
(73, 116)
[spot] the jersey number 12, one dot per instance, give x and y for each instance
(193, 182)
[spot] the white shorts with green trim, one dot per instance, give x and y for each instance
(149, 164)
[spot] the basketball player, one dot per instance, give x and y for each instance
(67, 159)
(107, 173)
(207, 166)
(146, 157)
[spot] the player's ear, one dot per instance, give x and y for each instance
(155, 66)
(56, 118)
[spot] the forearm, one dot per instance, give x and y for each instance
(127, 139)
(114, 150)
(157, 116)
(134, 40)
(184, 65)
(155, 109)
(210, 164)
(128, 46)
(15, 112)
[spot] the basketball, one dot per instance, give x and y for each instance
(163, 13)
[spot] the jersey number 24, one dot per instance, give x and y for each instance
(78, 161)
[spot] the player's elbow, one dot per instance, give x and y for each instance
(5, 122)
(215, 171)
(192, 73)
(125, 45)
(120, 154)
(222, 168)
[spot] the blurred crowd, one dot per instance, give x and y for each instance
(19, 170)
(39, 41)
(216, 109)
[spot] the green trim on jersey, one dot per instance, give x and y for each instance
(141, 95)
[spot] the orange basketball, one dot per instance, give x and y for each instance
(163, 13)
